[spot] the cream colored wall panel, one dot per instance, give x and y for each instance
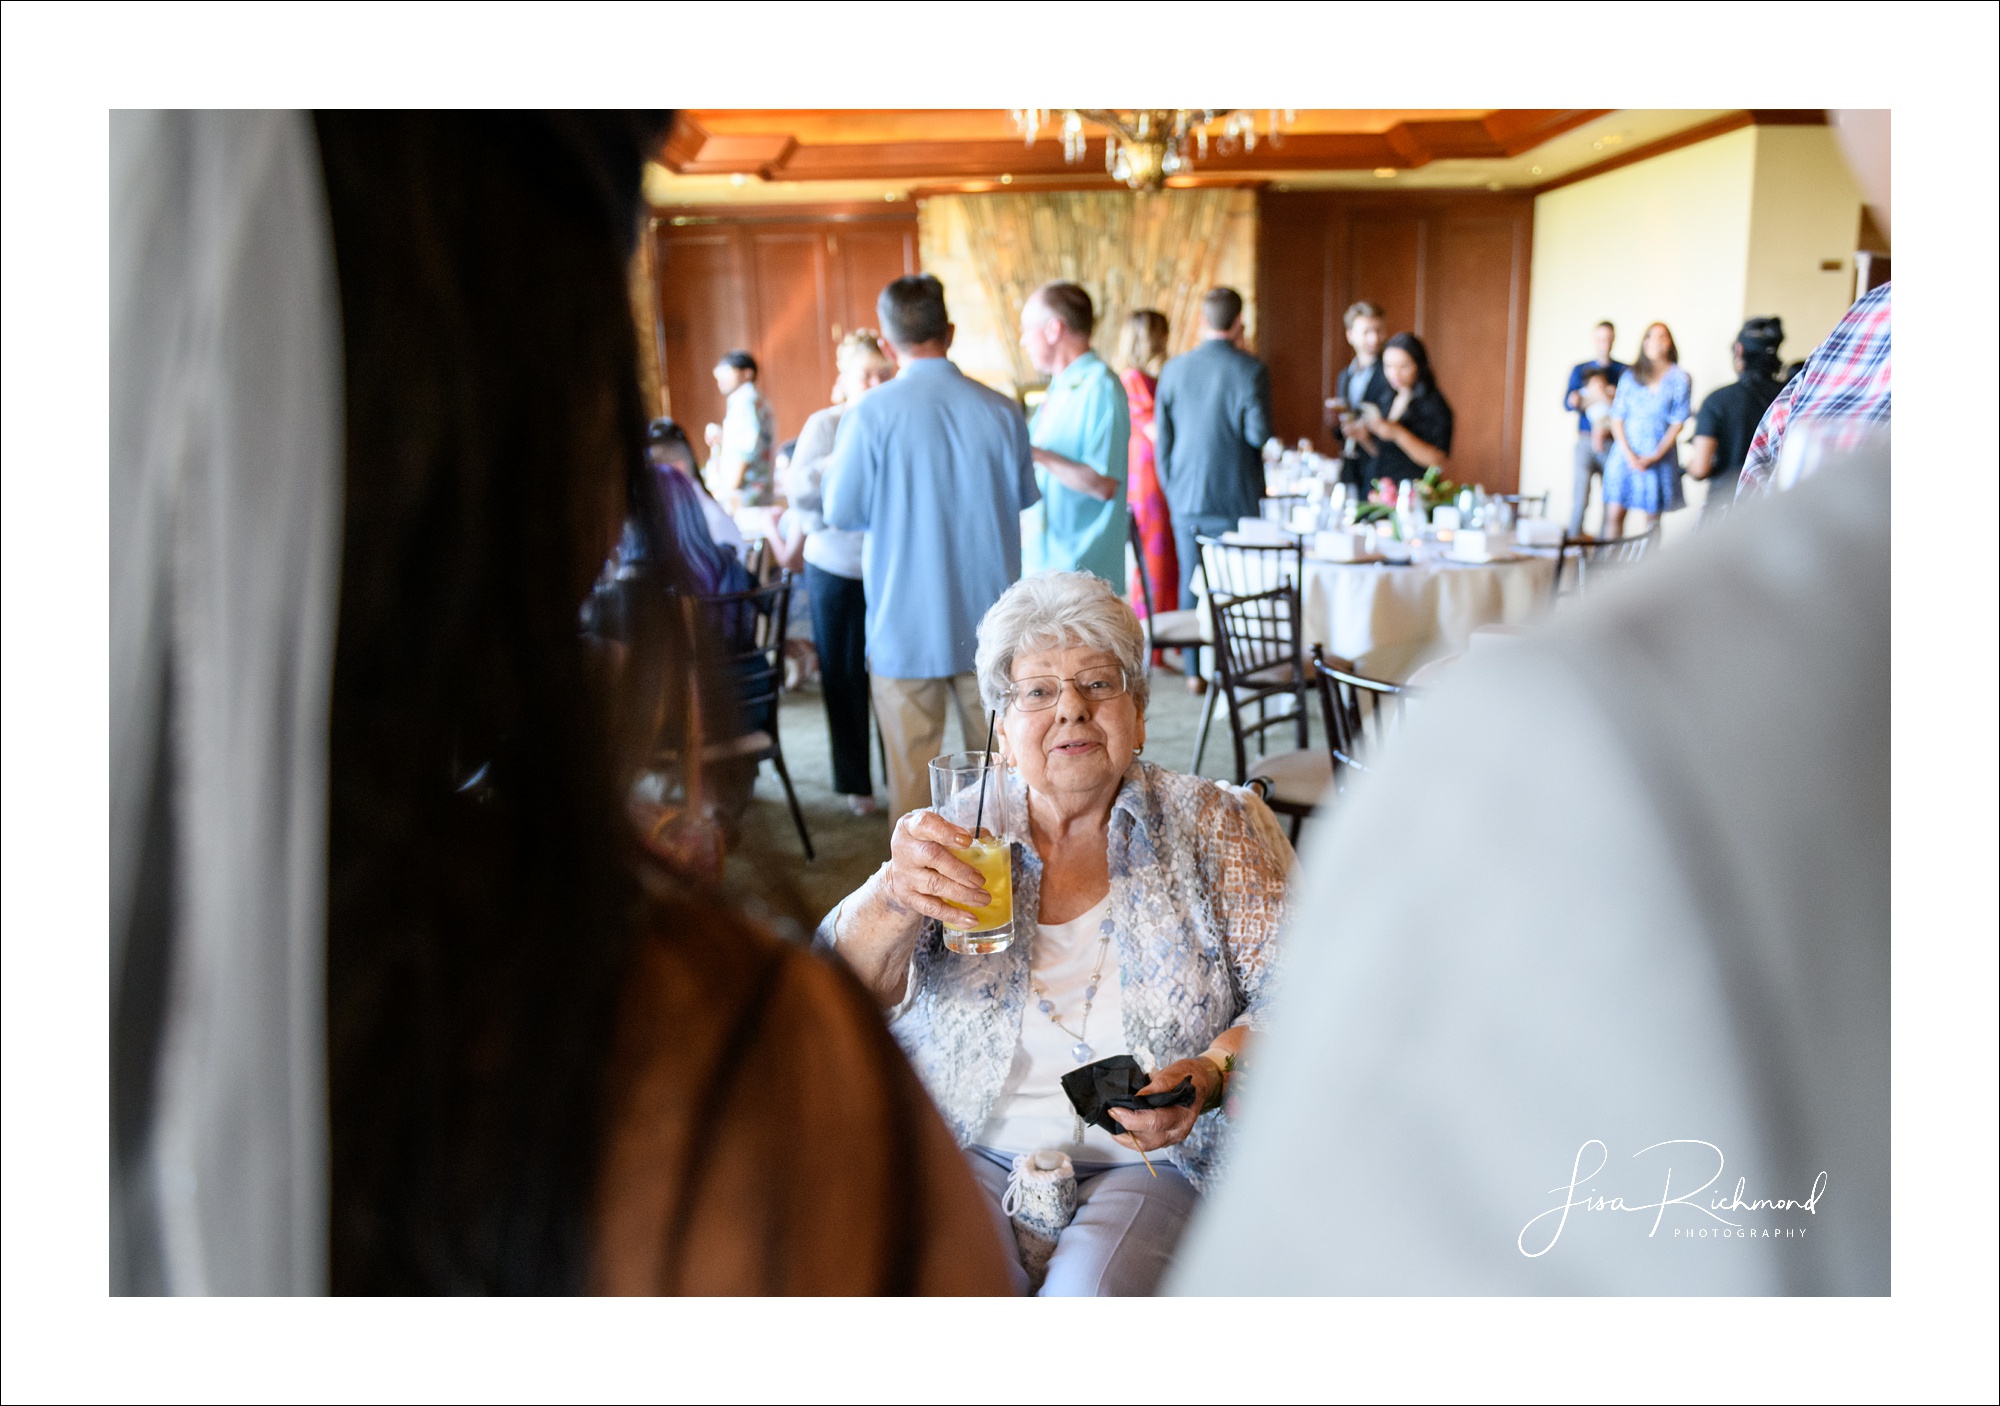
(1665, 240)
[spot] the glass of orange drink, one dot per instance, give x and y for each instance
(956, 782)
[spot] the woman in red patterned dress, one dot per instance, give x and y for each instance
(1142, 349)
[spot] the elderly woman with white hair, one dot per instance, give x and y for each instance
(1146, 911)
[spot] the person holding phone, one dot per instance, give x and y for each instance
(1362, 382)
(1414, 432)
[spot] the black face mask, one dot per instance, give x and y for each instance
(1095, 1089)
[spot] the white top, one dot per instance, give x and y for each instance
(721, 526)
(1032, 1111)
(828, 548)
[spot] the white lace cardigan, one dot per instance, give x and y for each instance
(1197, 899)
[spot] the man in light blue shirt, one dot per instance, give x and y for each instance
(936, 469)
(1080, 436)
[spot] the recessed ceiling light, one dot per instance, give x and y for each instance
(1385, 172)
(1534, 170)
(888, 195)
(737, 178)
(1006, 180)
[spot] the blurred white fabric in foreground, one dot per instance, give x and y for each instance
(1647, 925)
(225, 531)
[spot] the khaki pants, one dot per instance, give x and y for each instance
(910, 713)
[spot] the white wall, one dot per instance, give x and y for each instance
(1805, 212)
(1699, 238)
(1665, 240)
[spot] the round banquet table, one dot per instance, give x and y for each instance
(1389, 619)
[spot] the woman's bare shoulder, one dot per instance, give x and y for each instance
(764, 1134)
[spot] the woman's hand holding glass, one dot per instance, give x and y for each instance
(926, 878)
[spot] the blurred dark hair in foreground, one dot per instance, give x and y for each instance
(551, 1063)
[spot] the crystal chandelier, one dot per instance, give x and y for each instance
(1144, 146)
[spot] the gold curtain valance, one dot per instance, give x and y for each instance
(1128, 251)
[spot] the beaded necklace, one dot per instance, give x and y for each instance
(1081, 1050)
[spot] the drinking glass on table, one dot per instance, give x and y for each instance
(957, 780)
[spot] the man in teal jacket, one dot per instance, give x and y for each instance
(1080, 436)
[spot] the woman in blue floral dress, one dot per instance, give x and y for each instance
(1642, 473)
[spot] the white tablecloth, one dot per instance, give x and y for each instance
(1389, 619)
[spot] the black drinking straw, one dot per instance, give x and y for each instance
(985, 765)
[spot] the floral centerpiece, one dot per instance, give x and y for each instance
(1432, 490)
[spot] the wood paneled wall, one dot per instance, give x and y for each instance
(786, 288)
(1451, 267)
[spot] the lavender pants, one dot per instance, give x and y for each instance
(1122, 1240)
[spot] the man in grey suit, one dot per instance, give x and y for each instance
(1212, 414)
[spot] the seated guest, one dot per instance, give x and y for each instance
(1643, 473)
(1080, 436)
(786, 529)
(668, 448)
(781, 459)
(1414, 434)
(673, 527)
(1729, 417)
(832, 560)
(743, 444)
(1146, 908)
(711, 568)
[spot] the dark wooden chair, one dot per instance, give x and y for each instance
(757, 560)
(1358, 713)
(1259, 663)
(1247, 568)
(1240, 569)
(1594, 555)
(1526, 504)
(748, 630)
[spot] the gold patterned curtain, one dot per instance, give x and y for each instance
(1129, 251)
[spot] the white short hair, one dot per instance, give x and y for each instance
(1058, 610)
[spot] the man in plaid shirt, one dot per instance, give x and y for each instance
(1847, 378)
